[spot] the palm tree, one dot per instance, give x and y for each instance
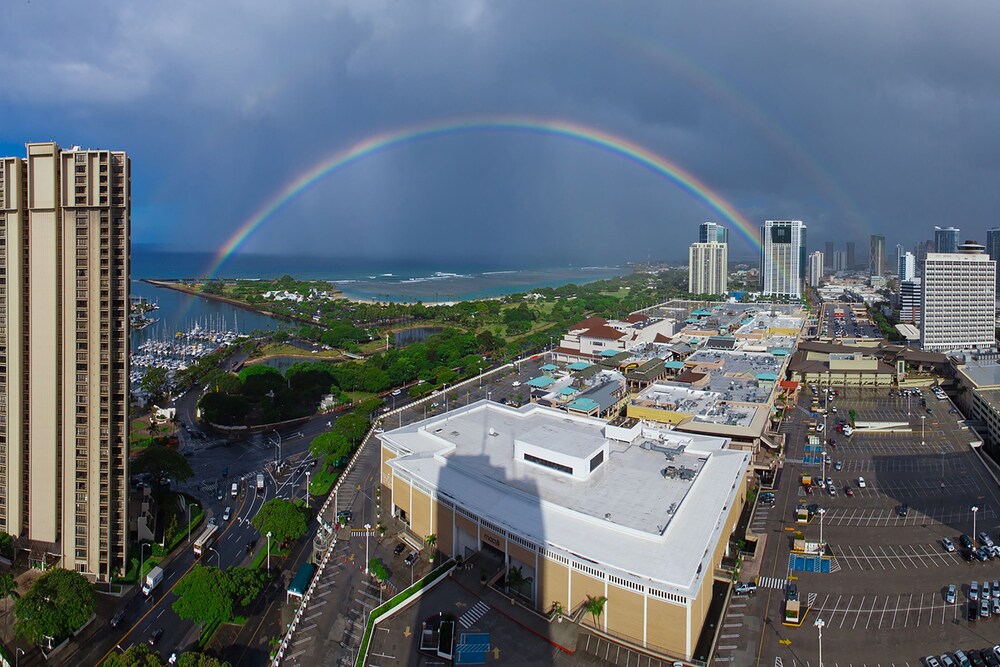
(595, 605)
(516, 580)
(431, 540)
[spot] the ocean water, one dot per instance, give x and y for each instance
(388, 281)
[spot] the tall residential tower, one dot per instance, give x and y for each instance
(782, 258)
(876, 255)
(64, 221)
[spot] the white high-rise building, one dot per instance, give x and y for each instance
(782, 258)
(957, 304)
(707, 272)
(906, 267)
(815, 268)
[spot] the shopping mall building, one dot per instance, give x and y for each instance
(637, 514)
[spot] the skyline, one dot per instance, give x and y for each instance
(892, 136)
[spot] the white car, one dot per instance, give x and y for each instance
(820, 428)
(515, 384)
(227, 513)
(861, 482)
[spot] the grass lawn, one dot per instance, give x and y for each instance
(618, 294)
(286, 350)
(322, 481)
(140, 428)
(359, 396)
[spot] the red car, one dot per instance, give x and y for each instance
(848, 491)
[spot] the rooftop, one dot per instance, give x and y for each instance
(703, 406)
(654, 509)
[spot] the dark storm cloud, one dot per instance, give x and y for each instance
(855, 117)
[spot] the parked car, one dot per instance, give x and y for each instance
(400, 548)
(951, 594)
(839, 465)
(974, 591)
(903, 510)
(412, 558)
(861, 482)
(948, 545)
(745, 588)
(965, 541)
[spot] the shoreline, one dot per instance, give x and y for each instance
(183, 289)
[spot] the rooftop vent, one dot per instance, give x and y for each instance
(493, 432)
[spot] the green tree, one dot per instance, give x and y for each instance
(155, 384)
(516, 579)
(195, 659)
(138, 655)
(56, 605)
(162, 462)
(8, 589)
(170, 530)
(285, 520)
(330, 445)
(246, 584)
(6, 545)
(204, 596)
(378, 570)
(595, 606)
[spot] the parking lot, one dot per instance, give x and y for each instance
(882, 599)
(847, 326)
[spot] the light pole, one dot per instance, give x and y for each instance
(908, 404)
(307, 488)
(823, 468)
(368, 528)
(974, 509)
(218, 558)
(480, 377)
(269, 552)
(819, 626)
(18, 652)
(923, 418)
(277, 443)
(142, 560)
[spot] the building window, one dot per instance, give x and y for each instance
(548, 464)
(596, 461)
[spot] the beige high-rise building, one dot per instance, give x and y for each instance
(64, 369)
(707, 268)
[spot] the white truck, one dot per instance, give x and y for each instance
(153, 579)
(260, 481)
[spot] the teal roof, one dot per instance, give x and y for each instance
(566, 391)
(579, 366)
(584, 404)
(779, 352)
(302, 578)
(766, 376)
(676, 365)
(550, 367)
(609, 353)
(701, 312)
(539, 382)
(691, 320)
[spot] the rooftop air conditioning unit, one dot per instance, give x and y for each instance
(493, 432)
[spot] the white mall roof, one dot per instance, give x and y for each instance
(626, 516)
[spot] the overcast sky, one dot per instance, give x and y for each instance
(856, 117)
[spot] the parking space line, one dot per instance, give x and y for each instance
(885, 609)
(858, 615)
(847, 608)
(872, 612)
(909, 604)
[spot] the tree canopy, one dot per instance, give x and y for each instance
(155, 383)
(246, 583)
(139, 654)
(195, 659)
(162, 462)
(285, 520)
(57, 604)
(204, 595)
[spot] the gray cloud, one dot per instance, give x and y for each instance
(853, 116)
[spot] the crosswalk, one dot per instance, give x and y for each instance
(771, 582)
(476, 612)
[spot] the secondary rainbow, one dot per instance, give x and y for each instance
(551, 127)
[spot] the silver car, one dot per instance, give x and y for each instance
(951, 594)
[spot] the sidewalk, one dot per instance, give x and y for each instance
(561, 635)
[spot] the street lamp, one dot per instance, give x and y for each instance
(269, 552)
(142, 560)
(307, 488)
(18, 652)
(218, 558)
(974, 509)
(480, 376)
(368, 528)
(277, 461)
(823, 468)
(819, 626)
(923, 418)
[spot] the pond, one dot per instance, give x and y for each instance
(415, 335)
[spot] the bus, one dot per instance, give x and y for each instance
(206, 539)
